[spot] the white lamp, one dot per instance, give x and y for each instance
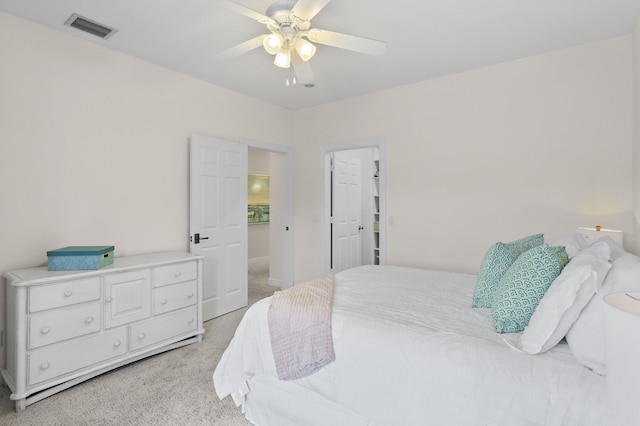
(597, 232)
(305, 49)
(273, 43)
(283, 58)
(281, 46)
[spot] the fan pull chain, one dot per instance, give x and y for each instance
(294, 81)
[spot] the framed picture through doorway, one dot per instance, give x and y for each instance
(258, 198)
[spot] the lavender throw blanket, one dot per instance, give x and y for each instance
(300, 328)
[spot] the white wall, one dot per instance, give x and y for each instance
(276, 224)
(541, 144)
(636, 134)
(94, 145)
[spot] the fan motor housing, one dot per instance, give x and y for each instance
(282, 13)
(280, 8)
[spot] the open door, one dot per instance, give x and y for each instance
(218, 221)
(347, 211)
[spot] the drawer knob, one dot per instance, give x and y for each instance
(108, 300)
(190, 320)
(88, 320)
(190, 295)
(163, 301)
(117, 343)
(45, 330)
(44, 365)
(141, 336)
(177, 274)
(68, 293)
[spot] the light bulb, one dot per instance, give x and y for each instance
(305, 49)
(283, 59)
(272, 43)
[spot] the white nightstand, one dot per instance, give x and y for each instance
(622, 349)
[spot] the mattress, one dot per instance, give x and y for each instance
(410, 349)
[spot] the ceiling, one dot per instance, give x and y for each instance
(425, 38)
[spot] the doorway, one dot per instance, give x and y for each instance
(270, 244)
(353, 204)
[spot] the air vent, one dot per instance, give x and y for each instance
(89, 26)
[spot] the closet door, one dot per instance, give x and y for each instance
(347, 211)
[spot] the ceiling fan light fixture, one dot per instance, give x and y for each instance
(283, 59)
(273, 43)
(305, 49)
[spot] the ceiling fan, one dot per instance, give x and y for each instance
(291, 37)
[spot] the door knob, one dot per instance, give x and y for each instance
(197, 238)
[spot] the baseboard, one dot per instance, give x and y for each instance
(274, 282)
(263, 259)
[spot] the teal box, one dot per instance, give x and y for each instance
(80, 258)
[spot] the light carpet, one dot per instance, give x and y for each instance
(172, 388)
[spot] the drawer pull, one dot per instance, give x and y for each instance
(141, 336)
(108, 300)
(88, 320)
(44, 365)
(190, 295)
(68, 293)
(190, 320)
(163, 301)
(117, 343)
(45, 330)
(177, 274)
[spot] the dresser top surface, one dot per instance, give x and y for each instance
(28, 276)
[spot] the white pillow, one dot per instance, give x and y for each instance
(573, 243)
(565, 299)
(586, 336)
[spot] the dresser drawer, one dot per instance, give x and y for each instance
(63, 294)
(56, 326)
(175, 296)
(158, 329)
(65, 358)
(176, 273)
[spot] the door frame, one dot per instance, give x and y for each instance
(325, 196)
(287, 204)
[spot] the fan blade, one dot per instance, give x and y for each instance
(303, 72)
(346, 41)
(243, 10)
(307, 9)
(240, 48)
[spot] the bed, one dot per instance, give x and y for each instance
(410, 349)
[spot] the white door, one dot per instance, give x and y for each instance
(218, 221)
(347, 211)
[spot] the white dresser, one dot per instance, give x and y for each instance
(65, 327)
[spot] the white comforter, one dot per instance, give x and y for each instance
(411, 351)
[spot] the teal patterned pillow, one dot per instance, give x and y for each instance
(495, 263)
(523, 286)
